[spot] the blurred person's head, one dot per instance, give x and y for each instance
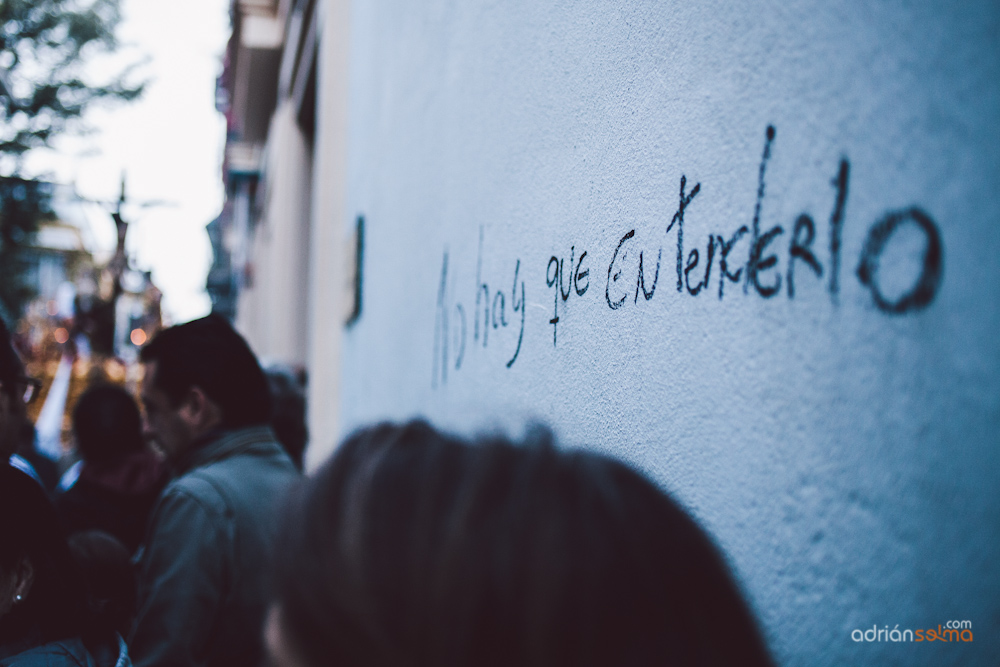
(107, 424)
(200, 376)
(288, 418)
(12, 394)
(108, 580)
(410, 547)
(39, 587)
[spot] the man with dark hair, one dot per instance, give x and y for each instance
(202, 585)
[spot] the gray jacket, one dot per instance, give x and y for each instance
(203, 584)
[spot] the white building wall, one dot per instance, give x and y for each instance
(272, 310)
(844, 457)
(329, 221)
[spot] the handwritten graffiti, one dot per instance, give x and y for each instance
(765, 262)
(578, 280)
(451, 325)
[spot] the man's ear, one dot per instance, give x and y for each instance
(200, 411)
(24, 577)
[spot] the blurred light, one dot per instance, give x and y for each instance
(138, 337)
(61, 335)
(52, 307)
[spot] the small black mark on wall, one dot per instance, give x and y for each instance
(358, 277)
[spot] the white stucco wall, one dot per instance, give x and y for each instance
(272, 308)
(326, 270)
(844, 457)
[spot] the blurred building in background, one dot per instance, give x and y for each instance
(267, 92)
(261, 275)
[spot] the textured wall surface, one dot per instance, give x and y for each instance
(535, 178)
(272, 306)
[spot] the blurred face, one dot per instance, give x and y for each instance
(163, 424)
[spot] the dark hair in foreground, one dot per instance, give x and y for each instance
(107, 424)
(410, 547)
(108, 577)
(208, 353)
(30, 529)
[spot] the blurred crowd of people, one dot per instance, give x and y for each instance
(187, 535)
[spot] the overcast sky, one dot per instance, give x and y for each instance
(169, 144)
